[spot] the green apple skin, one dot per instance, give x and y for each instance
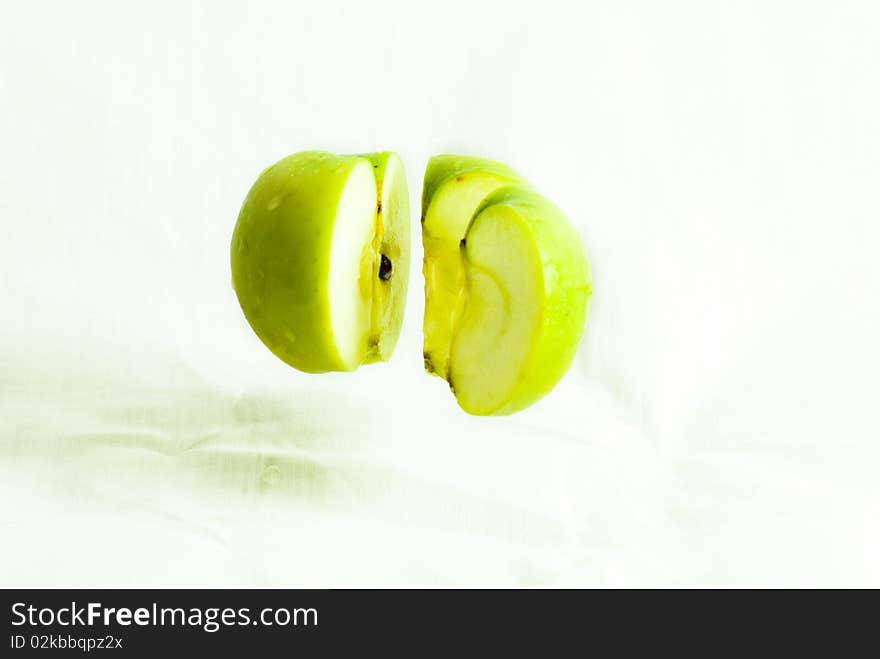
(445, 167)
(280, 257)
(453, 188)
(551, 269)
(392, 240)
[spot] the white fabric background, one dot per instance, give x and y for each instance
(718, 427)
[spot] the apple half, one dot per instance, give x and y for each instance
(507, 286)
(320, 258)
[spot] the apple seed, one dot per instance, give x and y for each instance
(385, 269)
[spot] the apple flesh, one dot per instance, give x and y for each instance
(454, 187)
(391, 255)
(319, 258)
(509, 302)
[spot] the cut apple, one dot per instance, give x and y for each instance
(391, 245)
(454, 186)
(507, 306)
(320, 258)
(320, 262)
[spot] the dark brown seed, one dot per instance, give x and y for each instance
(385, 268)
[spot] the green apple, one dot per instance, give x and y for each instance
(453, 188)
(320, 258)
(509, 323)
